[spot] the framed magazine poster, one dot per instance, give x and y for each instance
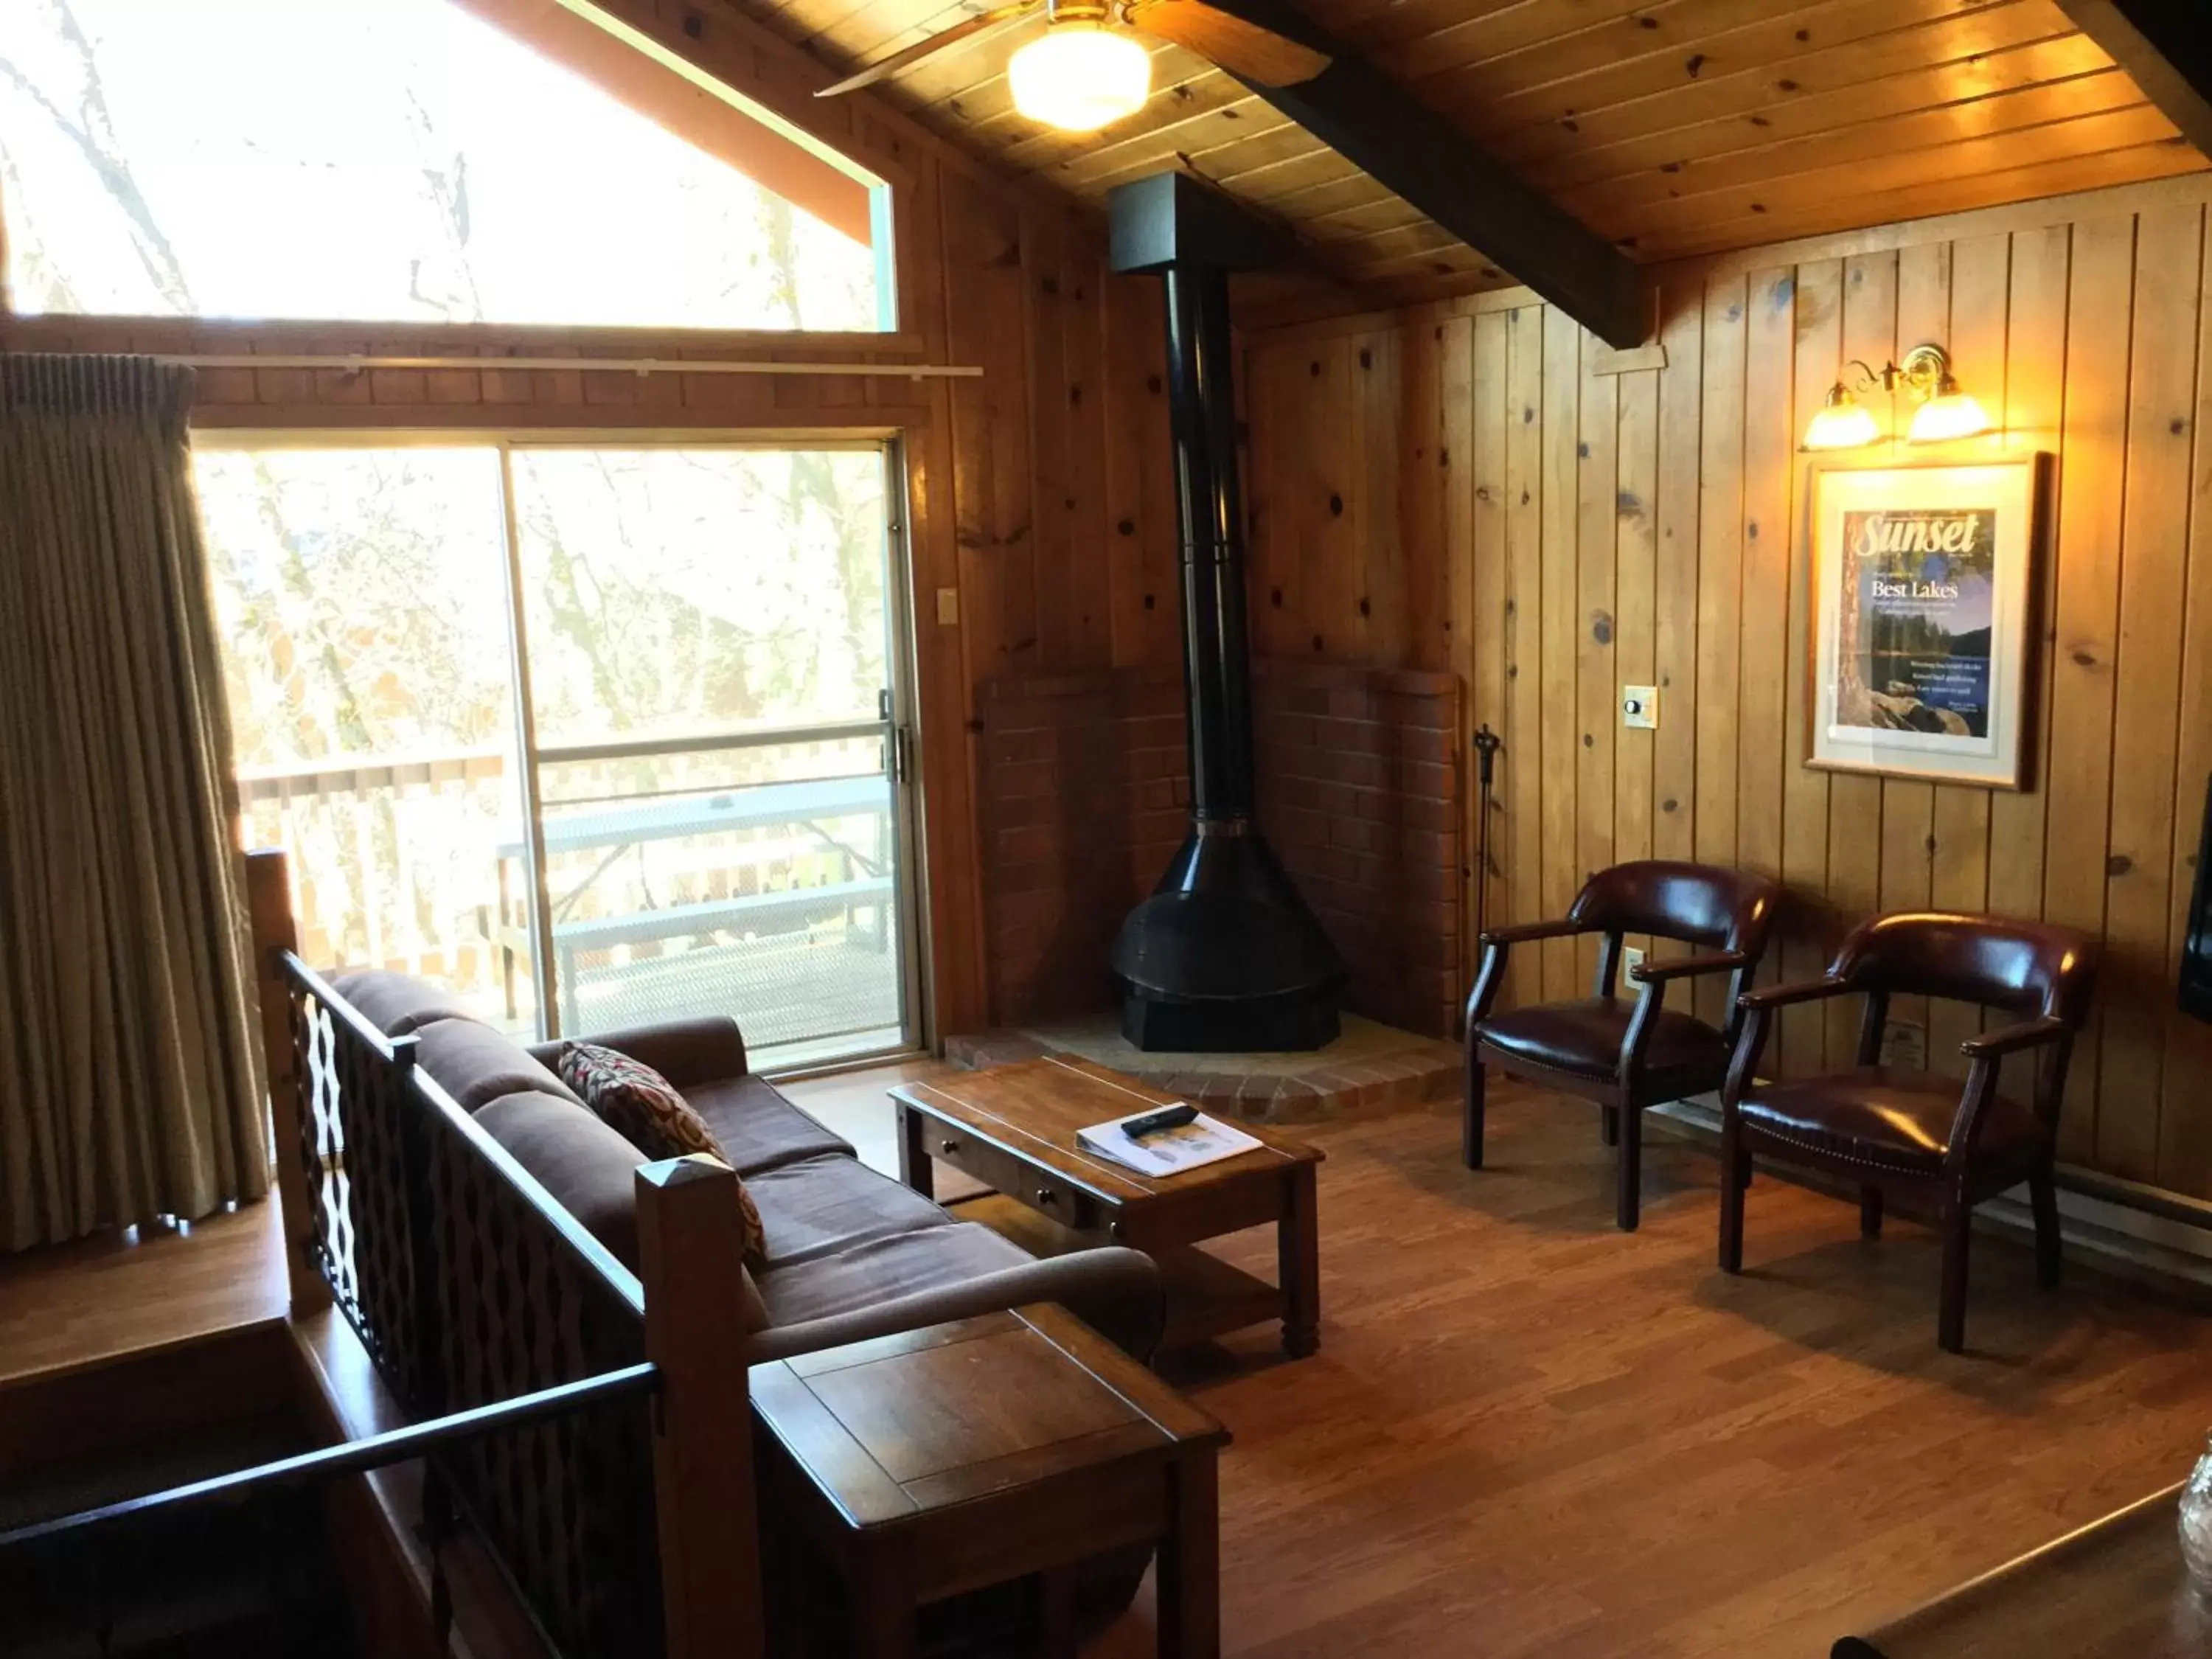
(1923, 586)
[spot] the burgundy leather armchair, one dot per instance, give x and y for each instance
(1626, 1054)
(1919, 1132)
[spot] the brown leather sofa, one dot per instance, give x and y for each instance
(852, 1253)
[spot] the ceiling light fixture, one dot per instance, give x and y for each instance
(1946, 412)
(1081, 73)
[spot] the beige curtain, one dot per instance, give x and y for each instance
(129, 1085)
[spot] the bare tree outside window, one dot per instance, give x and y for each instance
(401, 160)
(377, 160)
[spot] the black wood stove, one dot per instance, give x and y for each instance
(1225, 956)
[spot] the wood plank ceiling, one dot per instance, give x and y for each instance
(1674, 127)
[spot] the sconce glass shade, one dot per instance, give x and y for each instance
(1949, 414)
(1845, 424)
(1077, 77)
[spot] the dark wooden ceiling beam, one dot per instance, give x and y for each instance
(2165, 48)
(1382, 128)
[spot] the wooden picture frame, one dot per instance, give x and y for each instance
(1923, 580)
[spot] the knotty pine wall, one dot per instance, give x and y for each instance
(1039, 493)
(1477, 487)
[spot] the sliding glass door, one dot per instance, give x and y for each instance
(713, 704)
(624, 721)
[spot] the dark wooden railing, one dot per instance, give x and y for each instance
(621, 1530)
(372, 1452)
(588, 1424)
(468, 1285)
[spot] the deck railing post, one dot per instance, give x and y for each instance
(269, 905)
(690, 1245)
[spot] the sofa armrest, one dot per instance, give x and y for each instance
(687, 1052)
(1115, 1291)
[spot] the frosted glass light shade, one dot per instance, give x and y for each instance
(1949, 415)
(1843, 424)
(1078, 76)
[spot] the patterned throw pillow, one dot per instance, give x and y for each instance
(644, 1107)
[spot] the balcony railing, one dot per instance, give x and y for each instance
(760, 884)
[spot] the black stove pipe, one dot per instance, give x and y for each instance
(1216, 650)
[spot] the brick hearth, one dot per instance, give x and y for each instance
(1371, 1066)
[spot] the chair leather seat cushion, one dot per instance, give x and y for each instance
(1585, 1038)
(1887, 1115)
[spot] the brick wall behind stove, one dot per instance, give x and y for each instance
(1085, 793)
(1085, 797)
(1360, 795)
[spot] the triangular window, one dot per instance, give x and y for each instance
(421, 161)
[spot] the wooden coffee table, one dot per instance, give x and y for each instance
(1013, 1127)
(1003, 1447)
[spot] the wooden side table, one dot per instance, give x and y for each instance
(1013, 1128)
(940, 1460)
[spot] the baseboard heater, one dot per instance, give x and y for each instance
(2133, 1231)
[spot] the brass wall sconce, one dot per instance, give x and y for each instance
(1944, 413)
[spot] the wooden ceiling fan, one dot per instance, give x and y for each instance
(1086, 68)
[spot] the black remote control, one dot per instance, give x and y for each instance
(1168, 1117)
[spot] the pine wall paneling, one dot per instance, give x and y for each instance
(1598, 528)
(1674, 128)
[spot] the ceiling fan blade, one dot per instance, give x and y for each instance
(966, 29)
(1245, 49)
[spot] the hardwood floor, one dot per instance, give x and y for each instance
(1526, 1433)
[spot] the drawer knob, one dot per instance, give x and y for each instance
(1046, 1196)
(948, 1147)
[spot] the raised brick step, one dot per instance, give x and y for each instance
(1371, 1068)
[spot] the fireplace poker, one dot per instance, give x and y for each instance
(1487, 743)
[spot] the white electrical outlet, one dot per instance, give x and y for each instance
(948, 607)
(1631, 957)
(1639, 707)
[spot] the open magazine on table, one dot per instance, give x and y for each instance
(1201, 1141)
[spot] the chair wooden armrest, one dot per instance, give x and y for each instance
(1781, 996)
(1648, 972)
(2011, 1039)
(1525, 932)
(1756, 1010)
(1495, 943)
(1988, 1054)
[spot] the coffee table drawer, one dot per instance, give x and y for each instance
(1002, 1172)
